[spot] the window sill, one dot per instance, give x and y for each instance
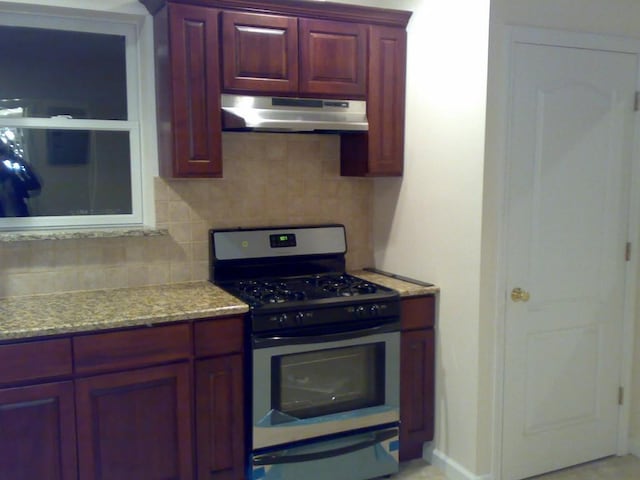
(9, 237)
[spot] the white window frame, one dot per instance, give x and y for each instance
(129, 30)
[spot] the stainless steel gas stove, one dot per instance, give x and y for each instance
(324, 349)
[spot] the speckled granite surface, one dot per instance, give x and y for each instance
(55, 314)
(406, 289)
(41, 315)
(11, 237)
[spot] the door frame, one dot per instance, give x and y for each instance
(596, 41)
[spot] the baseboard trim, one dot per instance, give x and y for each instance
(634, 446)
(452, 469)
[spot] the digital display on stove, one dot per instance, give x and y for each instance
(281, 240)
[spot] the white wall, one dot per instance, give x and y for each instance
(428, 225)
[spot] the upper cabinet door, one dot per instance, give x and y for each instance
(333, 58)
(260, 53)
(386, 100)
(191, 107)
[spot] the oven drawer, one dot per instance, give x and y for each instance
(357, 456)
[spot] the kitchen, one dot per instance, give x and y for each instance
(430, 225)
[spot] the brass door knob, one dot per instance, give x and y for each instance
(519, 295)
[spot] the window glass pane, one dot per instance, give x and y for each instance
(47, 172)
(54, 72)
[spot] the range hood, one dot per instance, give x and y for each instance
(285, 114)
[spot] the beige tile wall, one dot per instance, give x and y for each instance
(269, 179)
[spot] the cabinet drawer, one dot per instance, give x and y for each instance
(131, 348)
(418, 312)
(35, 360)
(218, 337)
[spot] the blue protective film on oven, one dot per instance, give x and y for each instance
(276, 417)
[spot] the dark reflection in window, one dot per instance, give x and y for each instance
(54, 72)
(18, 180)
(66, 172)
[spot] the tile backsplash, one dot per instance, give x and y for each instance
(269, 179)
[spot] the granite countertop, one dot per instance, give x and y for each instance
(71, 312)
(95, 310)
(405, 287)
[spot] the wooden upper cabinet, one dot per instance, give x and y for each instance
(260, 52)
(333, 58)
(188, 91)
(293, 56)
(380, 151)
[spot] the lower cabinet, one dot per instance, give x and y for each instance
(220, 418)
(417, 375)
(135, 424)
(37, 432)
(125, 409)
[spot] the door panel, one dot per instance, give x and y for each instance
(37, 433)
(569, 151)
(333, 58)
(135, 424)
(260, 53)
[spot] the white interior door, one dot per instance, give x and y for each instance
(569, 156)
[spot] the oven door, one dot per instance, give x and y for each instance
(314, 385)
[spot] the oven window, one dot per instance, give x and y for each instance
(328, 381)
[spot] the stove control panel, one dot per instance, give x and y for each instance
(319, 317)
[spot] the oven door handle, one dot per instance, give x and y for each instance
(274, 459)
(315, 337)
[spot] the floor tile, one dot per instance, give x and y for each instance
(611, 468)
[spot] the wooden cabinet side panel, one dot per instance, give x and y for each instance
(220, 418)
(136, 424)
(417, 386)
(260, 53)
(333, 58)
(195, 86)
(37, 433)
(386, 100)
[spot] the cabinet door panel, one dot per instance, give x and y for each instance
(135, 424)
(220, 418)
(260, 53)
(333, 58)
(380, 151)
(416, 391)
(37, 433)
(195, 94)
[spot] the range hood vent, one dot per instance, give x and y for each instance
(285, 114)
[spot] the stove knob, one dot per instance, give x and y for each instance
(299, 318)
(282, 320)
(374, 310)
(360, 312)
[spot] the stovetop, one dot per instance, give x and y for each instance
(293, 278)
(306, 290)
